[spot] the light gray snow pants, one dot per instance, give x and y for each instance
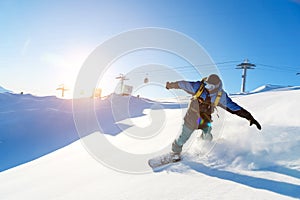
(186, 134)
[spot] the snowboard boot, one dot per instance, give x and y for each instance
(206, 134)
(175, 157)
(176, 148)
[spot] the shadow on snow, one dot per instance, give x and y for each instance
(113, 110)
(283, 188)
(31, 126)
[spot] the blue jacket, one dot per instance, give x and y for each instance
(198, 115)
(225, 101)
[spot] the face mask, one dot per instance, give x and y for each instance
(209, 86)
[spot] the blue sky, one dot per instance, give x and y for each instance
(44, 43)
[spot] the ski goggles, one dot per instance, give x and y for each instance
(210, 86)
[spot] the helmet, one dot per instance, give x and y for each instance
(212, 82)
(213, 79)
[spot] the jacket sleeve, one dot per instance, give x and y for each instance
(232, 107)
(189, 87)
(227, 103)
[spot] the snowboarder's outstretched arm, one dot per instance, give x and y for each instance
(232, 107)
(189, 87)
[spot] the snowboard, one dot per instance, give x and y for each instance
(164, 160)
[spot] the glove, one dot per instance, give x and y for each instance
(168, 85)
(253, 121)
(245, 114)
(172, 85)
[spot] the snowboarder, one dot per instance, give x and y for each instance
(207, 94)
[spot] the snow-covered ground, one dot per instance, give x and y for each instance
(3, 90)
(241, 162)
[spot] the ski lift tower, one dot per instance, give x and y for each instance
(122, 79)
(63, 89)
(244, 66)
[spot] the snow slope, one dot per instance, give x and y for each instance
(3, 90)
(242, 163)
(270, 87)
(31, 126)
